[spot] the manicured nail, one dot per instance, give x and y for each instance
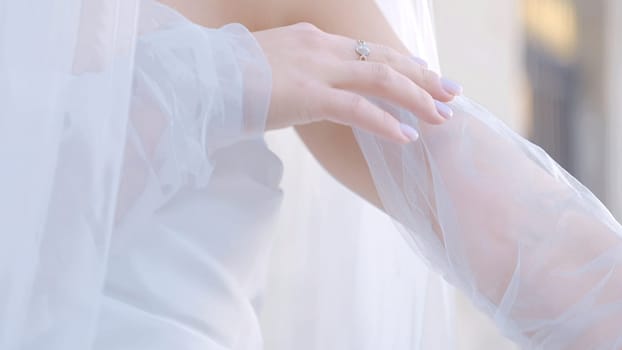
(444, 110)
(409, 132)
(420, 61)
(451, 87)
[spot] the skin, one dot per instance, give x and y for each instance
(318, 82)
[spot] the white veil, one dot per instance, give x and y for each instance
(65, 79)
(342, 276)
(100, 99)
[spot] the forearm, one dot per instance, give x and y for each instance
(522, 238)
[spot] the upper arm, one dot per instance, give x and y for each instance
(358, 19)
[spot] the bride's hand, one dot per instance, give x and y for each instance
(318, 76)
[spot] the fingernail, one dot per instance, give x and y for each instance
(444, 110)
(451, 87)
(420, 61)
(409, 132)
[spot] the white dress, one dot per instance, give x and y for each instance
(140, 197)
(189, 275)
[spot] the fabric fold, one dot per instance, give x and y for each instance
(196, 90)
(499, 219)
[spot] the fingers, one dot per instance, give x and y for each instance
(351, 109)
(317, 76)
(377, 79)
(441, 89)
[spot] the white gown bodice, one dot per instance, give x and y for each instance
(189, 275)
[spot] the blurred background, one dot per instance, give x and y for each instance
(552, 70)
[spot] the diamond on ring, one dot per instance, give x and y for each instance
(362, 50)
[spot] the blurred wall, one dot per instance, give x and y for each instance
(614, 102)
(483, 43)
(481, 46)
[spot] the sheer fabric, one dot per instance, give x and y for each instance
(341, 276)
(197, 194)
(114, 109)
(531, 246)
(102, 101)
(65, 77)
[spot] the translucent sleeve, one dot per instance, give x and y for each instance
(195, 90)
(499, 219)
